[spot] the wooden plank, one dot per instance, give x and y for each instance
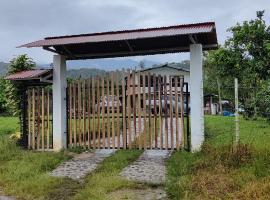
(108, 114)
(182, 129)
(155, 110)
(134, 106)
(84, 118)
(29, 106)
(113, 106)
(171, 115)
(42, 119)
(124, 110)
(98, 110)
(89, 112)
(166, 112)
(176, 111)
(144, 114)
(38, 119)
(79, 112)
(93, 113)
(48, 119)
(160, 112)
(129, 110)
(149, 111)
(139, 110)
(103, 113)
(75, 108)
(70, 97)
(118, 110)
(34, 117)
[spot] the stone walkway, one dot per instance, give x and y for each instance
(149, 168)
(82, 164)
(4, 197)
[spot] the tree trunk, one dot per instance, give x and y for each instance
(219, 97)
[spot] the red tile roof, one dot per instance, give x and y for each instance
(28, 75)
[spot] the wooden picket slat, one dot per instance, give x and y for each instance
(155, 110)
(134, 105)
(166, 112)
(70, 97)
(79, 112)
(139, 110)
(124, 133)
(103, 113)
(93, 113)
(144, 114)
(176, 111)
(113, 107)
(29, 107)
(42, 118)
(129, 110)
(84, 118)
(75, 113)
(108, 114)
(118, 111)
(89, 112)
(182, 129)
(48, 120)
(98, 110)
(171, 114)
(160, 112)
(149, 111)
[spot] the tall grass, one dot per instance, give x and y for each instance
(221, 170)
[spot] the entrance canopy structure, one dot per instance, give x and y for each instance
(193, 38)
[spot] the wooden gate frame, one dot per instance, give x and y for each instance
(125, 116)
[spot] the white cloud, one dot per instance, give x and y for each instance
(22, 21)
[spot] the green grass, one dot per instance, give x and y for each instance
(106, 178)
(221, 171)
(9, 125)
(24, 173)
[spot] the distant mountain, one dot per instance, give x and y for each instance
(84, 73)
(89, 68)
(3, 68)
(108, 64)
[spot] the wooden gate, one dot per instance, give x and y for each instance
(127, 110)
(39, 118)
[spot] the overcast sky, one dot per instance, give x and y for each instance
(23, 21)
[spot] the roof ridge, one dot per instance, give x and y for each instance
(134, 30)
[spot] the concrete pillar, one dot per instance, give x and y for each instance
(59, 103)
(196, 97)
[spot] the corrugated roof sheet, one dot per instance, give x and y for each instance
(28, 74)
(186, 29)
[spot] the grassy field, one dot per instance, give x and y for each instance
(220, 171)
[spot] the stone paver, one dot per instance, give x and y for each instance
(82, 164)
(4, 197)
(149, 168)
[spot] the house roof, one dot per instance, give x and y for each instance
(131, 42)
(29, 75)
(168, 65)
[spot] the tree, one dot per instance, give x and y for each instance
(14, 91)
(245, 56)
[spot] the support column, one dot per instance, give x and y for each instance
(59, 103)
(196, 97)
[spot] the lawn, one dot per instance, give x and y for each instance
(24, 173)
(220, 171)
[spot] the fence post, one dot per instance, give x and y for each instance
(237, 132)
